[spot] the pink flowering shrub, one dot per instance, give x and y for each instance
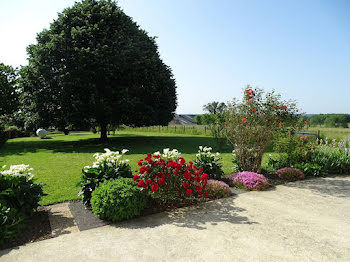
(217, 189)
(250, 181)
(290, 174)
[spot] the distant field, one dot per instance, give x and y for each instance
(337, 133)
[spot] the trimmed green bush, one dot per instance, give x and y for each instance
(118, 199)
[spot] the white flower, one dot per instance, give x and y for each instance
(124, 151)
(217, 153)
(166, 151)
(156, 153)
(200, 148)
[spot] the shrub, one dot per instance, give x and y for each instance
(253, 123)
(217, 189)
(311, 169)
(210, 162)
(118, 199)
(250, 181)
(290, 174)
(19, 198)
(109, 165)
(3, 137)
(169, 178)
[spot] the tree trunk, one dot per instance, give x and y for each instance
(103, 136)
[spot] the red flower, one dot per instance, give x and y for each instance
(284, 107)
(143, 169)
(206, 195)
(140, 183)
(154, 187)
(188, 191)
(149, 154)
(187, 176)
(161, 181)
(303, 138)
(135, 177)
(244, 119)
(198, 188)
(261, 114)
(253, 110)
(139, 163)
(204, 177)
(305, 122)
(279, 125)
(149, 181)
(185, 185)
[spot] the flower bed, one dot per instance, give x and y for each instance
(250, 181)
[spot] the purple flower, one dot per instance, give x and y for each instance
(250, 180)
(346, 149)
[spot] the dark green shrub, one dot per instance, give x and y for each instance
(311, 169)
(118, 199)
(3, 137)
(109, 165)
(19, 198)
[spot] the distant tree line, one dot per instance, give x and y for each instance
(329, 120)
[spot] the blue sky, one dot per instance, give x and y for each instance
(215, 48)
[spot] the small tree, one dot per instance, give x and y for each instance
(252, 124)
(215, 120)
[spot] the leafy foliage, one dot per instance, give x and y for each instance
(95, 65)
(210, 162)
(8, 92)
(253, 123)
(19, 198)
(118, 199)
(109, 165)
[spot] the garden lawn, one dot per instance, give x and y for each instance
(58, 160)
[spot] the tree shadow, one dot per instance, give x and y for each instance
(336, 186)
(137, 144)
(197, 216)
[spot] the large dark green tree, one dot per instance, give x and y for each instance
(95, 65)
(8, 92)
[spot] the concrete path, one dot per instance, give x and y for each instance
(303, 221)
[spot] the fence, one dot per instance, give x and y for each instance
(180, 129)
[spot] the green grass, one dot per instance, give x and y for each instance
(337, 133)
(58, 161)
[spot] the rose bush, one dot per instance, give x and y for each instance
(253, 123)
(169, 178)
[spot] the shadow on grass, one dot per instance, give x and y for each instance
(137, 144)
(197, 216)
(336, 186)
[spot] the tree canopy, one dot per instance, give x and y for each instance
(95, 65)
(8, 92)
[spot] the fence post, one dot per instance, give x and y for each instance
(318, 134)
(205, 129)
(184, 129)
(175, 129)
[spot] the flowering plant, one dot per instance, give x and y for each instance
(253, 123)
(19, 198)
(290, 174)
(217, 189)
(170, 178)
(210, 162)
(250, 181)
(108, 165)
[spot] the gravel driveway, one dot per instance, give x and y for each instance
(303, 221)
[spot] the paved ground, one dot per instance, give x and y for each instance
(303, 221)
